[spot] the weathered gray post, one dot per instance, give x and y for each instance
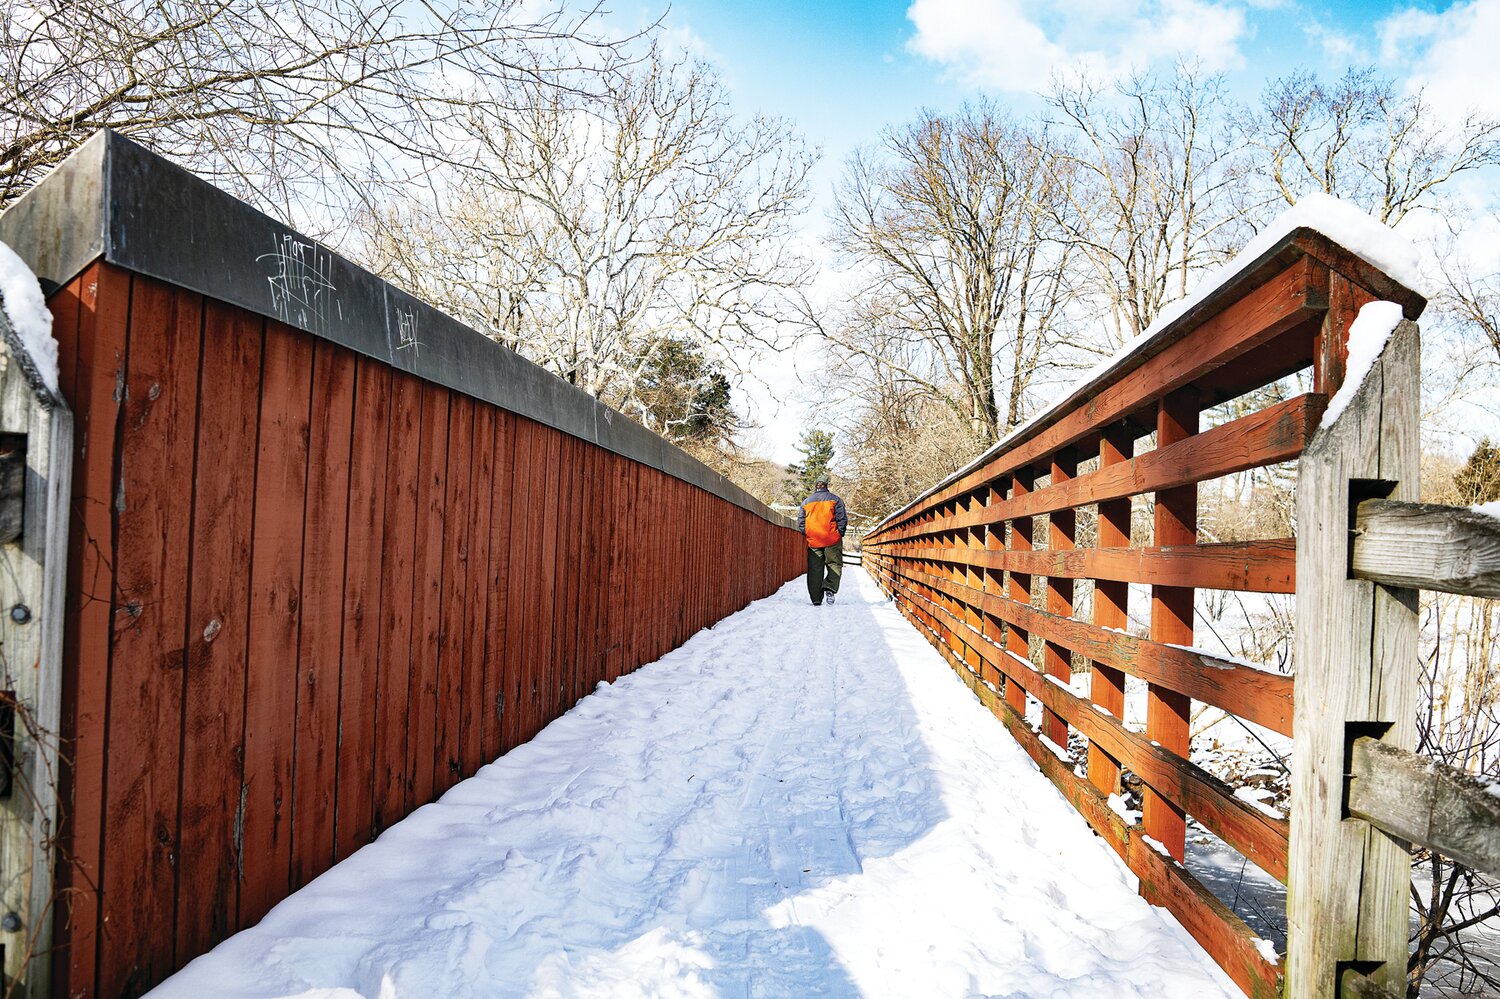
(1356, 662)
(36, 470)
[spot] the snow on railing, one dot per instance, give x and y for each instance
(968, 563)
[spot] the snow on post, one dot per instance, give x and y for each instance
(29, 326)
(1368, 335)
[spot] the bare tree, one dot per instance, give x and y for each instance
(1474, 301)
(603, 230)
(1150, 206)
(305, 107)
(949, 227)
(1359, 139)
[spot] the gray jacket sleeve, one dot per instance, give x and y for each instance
(802, 518)
(840, 516)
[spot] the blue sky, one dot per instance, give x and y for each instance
(842, 71)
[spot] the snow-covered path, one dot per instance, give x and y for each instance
(800, 801)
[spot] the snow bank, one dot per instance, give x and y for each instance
(1488, 509)
(1338, 220)
(1368, 335)
(26, 308)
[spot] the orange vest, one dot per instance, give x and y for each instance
(821, 528)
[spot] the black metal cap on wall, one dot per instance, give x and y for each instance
(115, 200)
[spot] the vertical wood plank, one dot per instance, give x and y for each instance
(544, 657)
(218, 629)
(1107, 684)
(1057, 660)
(543, 459)
(1167, 712)
(586, 570)
(445, 761)
(103, 315)
(359, 667)
(637, 571)
(160, 396)
(427, 595)
(566, 583)
(520, 585)
(994, 583)
(495, 642)
(1017, 640)
(275, 605)
(315, 759)
(1331, 349)
(398, 557)
(472, 705)
(621, 517)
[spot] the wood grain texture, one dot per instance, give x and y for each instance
(1168, 709)
(398, 557)
(359, 666)
(160, 395)
(1355, 650)
(1057, 659)
(1184, 785)
(275, 618)
(1268, 566)
(1274, 434)
(218, 631)
(1111, 612)
(99, 368)
(1286, 300)
(321, 635)
(1425, 803)
(1259, 695)
(427, 596)
(39, 441)
(1221, 933)
(472, 705)
(445, 761)
(1427, 546)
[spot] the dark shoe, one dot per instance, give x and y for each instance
(817, 603)
(828, 596)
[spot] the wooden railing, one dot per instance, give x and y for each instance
(971, 565)
(1360, 797)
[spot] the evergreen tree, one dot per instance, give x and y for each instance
(684, 396)
(817, 450)
(1479, 480)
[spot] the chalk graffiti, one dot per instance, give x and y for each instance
(301, 289)
(406, 331)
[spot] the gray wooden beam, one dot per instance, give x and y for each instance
(1427, 803)
(1427, 546)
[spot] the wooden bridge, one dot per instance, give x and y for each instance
(961, 560)
(296, 553)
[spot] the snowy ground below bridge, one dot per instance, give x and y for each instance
(800, 801)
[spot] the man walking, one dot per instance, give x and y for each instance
(822, 519)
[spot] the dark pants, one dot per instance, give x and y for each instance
(824, 567)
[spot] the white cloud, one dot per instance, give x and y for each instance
(1020, 44)
(682, 38)
(993, 44)
(1450, 53)
(1336, 46)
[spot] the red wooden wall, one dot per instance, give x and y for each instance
(308, 593)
